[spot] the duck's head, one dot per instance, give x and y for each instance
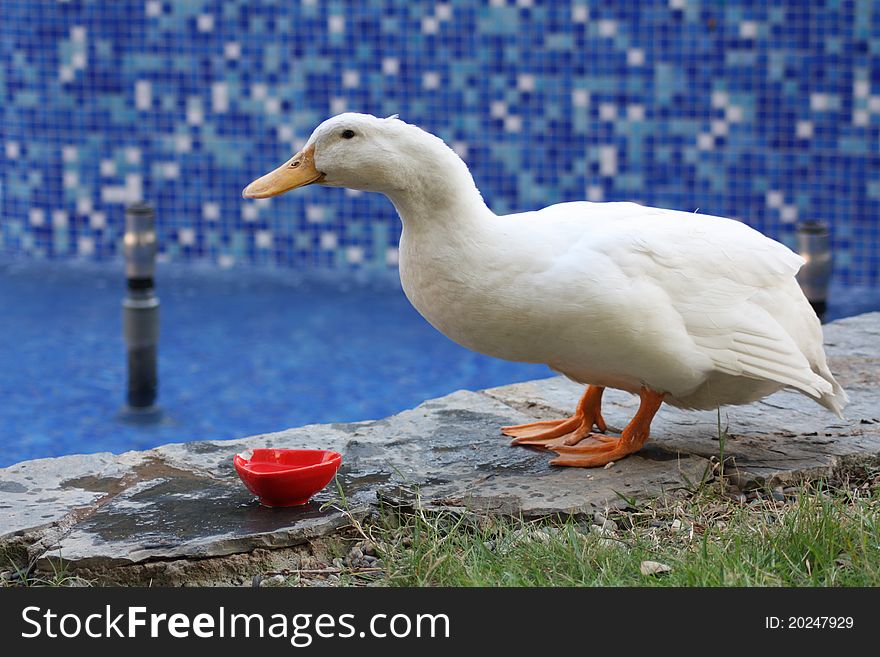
(416, 170)
(358, 151)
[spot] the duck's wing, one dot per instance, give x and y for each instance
(722, 276)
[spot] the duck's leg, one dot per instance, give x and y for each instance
(563, 432)
(610, 449)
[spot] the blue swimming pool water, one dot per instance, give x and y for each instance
(242, 351)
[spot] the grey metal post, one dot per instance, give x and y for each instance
(140, 308)
(814, 246)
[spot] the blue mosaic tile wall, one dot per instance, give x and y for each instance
(768, 112)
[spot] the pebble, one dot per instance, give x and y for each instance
(602, 521)
(541, 535)
(338, 562)
(778, 495)
(602, 531)
(676, 525)
(359, 558)
(654, 568)
(275, 580)
(78, 582)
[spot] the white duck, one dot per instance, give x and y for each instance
(692, 310)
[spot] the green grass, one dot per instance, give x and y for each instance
(707, 538)
(25, 576)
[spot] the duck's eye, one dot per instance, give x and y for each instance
(347, 134)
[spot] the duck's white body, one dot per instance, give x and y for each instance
(699, 311)
(702, 308)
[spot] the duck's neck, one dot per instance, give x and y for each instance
(439, 194)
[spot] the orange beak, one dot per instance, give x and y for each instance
(298, 171)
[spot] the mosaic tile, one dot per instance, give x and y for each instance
(769, 114)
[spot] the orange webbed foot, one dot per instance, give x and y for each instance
(592, 455)
(605, 449)
(552, 433)
(537, 433)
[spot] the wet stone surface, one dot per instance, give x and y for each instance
(188, 517)
(185, 501)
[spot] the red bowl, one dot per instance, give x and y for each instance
(287, 477)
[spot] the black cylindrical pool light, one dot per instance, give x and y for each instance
(140, 308)
(814, 246)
